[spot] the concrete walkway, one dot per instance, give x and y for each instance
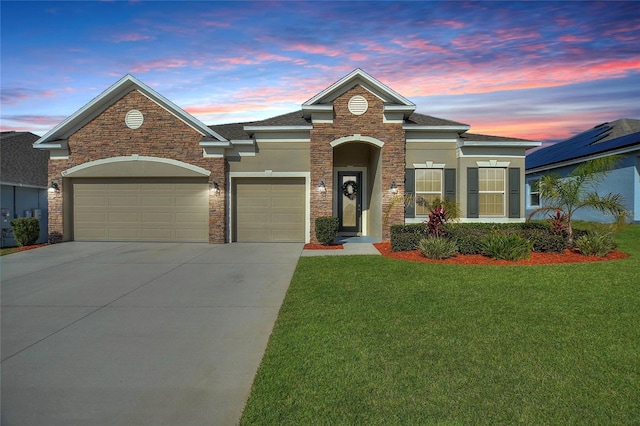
(348, 249)
(135, 333)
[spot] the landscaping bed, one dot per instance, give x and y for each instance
(568, 256)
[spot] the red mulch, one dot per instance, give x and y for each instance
(476, 259)
(25, 248)
(311, 246)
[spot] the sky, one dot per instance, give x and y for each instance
(535, 70)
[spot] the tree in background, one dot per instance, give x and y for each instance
(578, 190)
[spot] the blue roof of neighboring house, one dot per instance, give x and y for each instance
(600, 139)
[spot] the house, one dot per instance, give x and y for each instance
(620, 137)
(23, 179)
(131, 165)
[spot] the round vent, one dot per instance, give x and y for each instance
(358, 105)
(133, 119)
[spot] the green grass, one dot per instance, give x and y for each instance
(369, 340)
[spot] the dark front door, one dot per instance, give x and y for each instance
(349, 201)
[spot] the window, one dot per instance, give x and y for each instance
(534, 193)
(491, 191)
(428, 188)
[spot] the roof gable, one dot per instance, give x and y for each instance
(353, 79)
(600, 139)
(98, 104)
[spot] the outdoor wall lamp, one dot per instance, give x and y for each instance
(322, 187)
(215, 189)
(54, 187)
(394, 187)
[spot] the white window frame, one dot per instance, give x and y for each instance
(417, 193)
(503, 192)
(534, 183)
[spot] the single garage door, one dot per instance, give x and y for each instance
(269, 210)
(141, 210)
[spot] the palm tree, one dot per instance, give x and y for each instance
(579, 190)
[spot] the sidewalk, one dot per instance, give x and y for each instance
(349, 249)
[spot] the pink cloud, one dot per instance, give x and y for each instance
(575, 39)
(160, 65)
(450, 23)
(13, 96)
(131, 37)
(421, 45)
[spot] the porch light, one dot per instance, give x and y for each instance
(322, 187)
(394, 187)
(54, 187)
(215, 189)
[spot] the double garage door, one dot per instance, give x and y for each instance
(141, 210)
(269, 210)
(113, 209)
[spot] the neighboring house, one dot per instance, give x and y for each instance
(131, 165)
(620, 137)
(23, 175)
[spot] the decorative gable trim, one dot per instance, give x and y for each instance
(493, 163)
(119, 89)
(395, 101)
(357, 138)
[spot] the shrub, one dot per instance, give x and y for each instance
(327, 229)
(558, 222)
(407, 237)
(469, 242)
(595, 244)
(437, 219)
(437, 248)
(544, 240)
(506, 246)
(26, 230)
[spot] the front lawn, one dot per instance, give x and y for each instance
(370, 340)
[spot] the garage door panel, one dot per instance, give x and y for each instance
(145, 210)
(270, 210)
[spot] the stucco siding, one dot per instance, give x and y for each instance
(275, 156)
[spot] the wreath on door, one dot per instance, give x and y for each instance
(350, 189)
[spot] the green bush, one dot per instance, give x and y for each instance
(437, 247)
(469, 242)
(26, 230)
(595, 244)
(407, 237)
(327, 229)
(506, 246)
(544, 240)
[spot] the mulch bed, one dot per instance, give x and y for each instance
(476, 259)
(311, 246)
(25, 248)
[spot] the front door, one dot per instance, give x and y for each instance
(350, 201)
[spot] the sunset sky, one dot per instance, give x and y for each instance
(534, 70)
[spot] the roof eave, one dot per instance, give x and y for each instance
(506, 144)
(424, 128)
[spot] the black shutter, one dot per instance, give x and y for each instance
(473, 199)
(409, 190)
(514, 192)
(450, 184)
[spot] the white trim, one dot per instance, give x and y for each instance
(365, 200)
(453, 128)
(116, 91)
(582, 159)
(263, 140)
(275, 128)
(271, 174)
(357, 138)
(22, 185)
(461, 154)
(352, 76)
(135, 157)
(429, 165)
(505, 144)
(473, 220)
(493, 163)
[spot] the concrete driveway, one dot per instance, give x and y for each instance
(137, 333)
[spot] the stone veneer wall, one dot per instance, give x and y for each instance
(371, 124)
(161, 135)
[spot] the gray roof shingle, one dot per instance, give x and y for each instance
(21, 163)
